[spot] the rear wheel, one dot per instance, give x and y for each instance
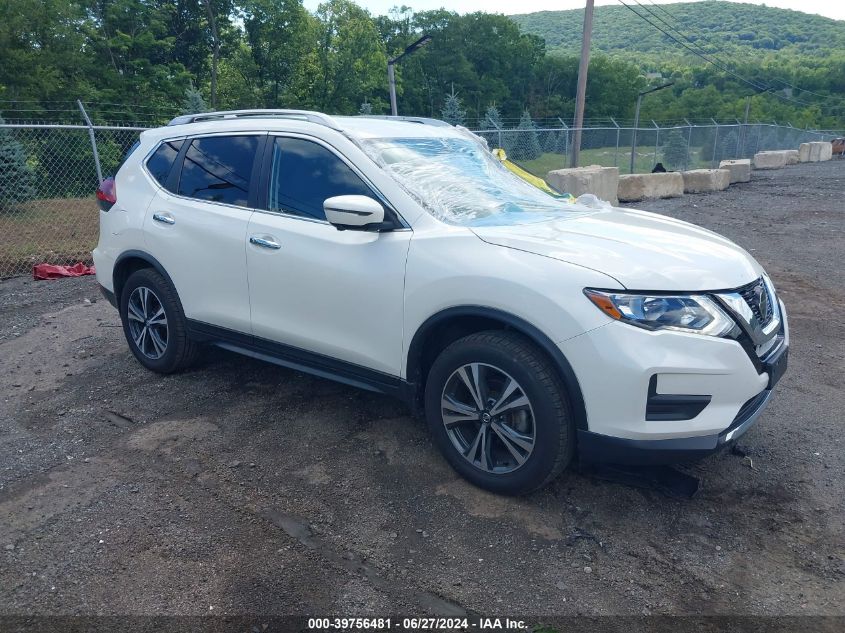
(499, 413)
(154, 323)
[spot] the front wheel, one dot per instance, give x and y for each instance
(499, 412)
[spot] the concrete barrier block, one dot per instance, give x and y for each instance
(770, 160)
(635, 187)
(740, 169)
(702, 180)
(600, 181)
(815, 151)
(804, 151)
(792, 156)
(825, 150)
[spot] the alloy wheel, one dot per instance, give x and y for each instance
(147, 322)
(488, 418)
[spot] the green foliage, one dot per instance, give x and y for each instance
(16, 177)
(366, 108)
(525, 143)
(140, 55)
(675, 150)
(492, 118)
(726, 27)
(193, 103)
(452, 111)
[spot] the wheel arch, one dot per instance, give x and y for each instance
(447, 326)
(131, 261)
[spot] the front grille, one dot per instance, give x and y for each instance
(756, 295)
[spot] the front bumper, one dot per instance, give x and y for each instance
(621, 369)
(593, 447)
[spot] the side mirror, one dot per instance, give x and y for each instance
(359, 213)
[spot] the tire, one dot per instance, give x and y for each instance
(161, 342)
(493, 359)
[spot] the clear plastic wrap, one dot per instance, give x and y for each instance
(460, 182)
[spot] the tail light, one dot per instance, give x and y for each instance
(106, 194)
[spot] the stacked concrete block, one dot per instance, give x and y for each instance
(815, 151)
(703, 180)
(635, 187)
(740, 169)
(602, 182)
(792, 156)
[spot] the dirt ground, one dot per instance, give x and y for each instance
(244, 488)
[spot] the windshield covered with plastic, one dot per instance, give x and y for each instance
(460, 182)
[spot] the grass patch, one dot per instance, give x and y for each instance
(605, 156)
(57, 231)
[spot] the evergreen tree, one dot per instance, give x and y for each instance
(675, 150)
(16, 178)
(366, 108)
(728, 146)
(492, 118)
(193, 103)
(452, 111)
(526, 142)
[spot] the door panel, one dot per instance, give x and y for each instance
(337, 293)
(199, 234)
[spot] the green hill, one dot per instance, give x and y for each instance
(745, 30)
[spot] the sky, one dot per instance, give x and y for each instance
(829, 8)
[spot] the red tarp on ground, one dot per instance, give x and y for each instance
(52, 271)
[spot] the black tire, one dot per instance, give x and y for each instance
(504, 356)
(179, 350)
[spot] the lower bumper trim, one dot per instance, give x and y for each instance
(597, 448)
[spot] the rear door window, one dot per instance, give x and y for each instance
(303, 174)
(161, 161)
(218, 169)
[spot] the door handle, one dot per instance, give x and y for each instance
(164, 218)
(264, 243)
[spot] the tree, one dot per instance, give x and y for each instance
(526, 142)
(492, 118)
(452, 111)
(193, 103)
(675, 150)
(350, 57)
(16, 178)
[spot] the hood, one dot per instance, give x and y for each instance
(641, 250)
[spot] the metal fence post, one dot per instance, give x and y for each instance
(689, 140)
(715, 144)
(565, 142)
(93, 141)
(656, 140)
(616, 153)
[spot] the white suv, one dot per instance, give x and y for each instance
(400, 256)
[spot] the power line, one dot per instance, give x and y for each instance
(708, 58)
(705, 37)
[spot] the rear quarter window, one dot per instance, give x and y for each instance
(161, 161)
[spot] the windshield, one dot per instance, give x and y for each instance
(460, 182)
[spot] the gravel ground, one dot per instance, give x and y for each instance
(243, 488)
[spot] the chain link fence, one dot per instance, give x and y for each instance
(639, 150)
(48, 172)
(48, 177)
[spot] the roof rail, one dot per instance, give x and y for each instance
(304, 115)
(408, 119)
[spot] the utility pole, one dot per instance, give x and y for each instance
(391, 74)
(581, 94)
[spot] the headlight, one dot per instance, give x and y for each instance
(686, 313)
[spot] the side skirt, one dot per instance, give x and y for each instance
(303, 360)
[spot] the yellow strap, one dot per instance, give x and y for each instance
(528, 177)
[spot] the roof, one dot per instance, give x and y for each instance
(361, 127)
